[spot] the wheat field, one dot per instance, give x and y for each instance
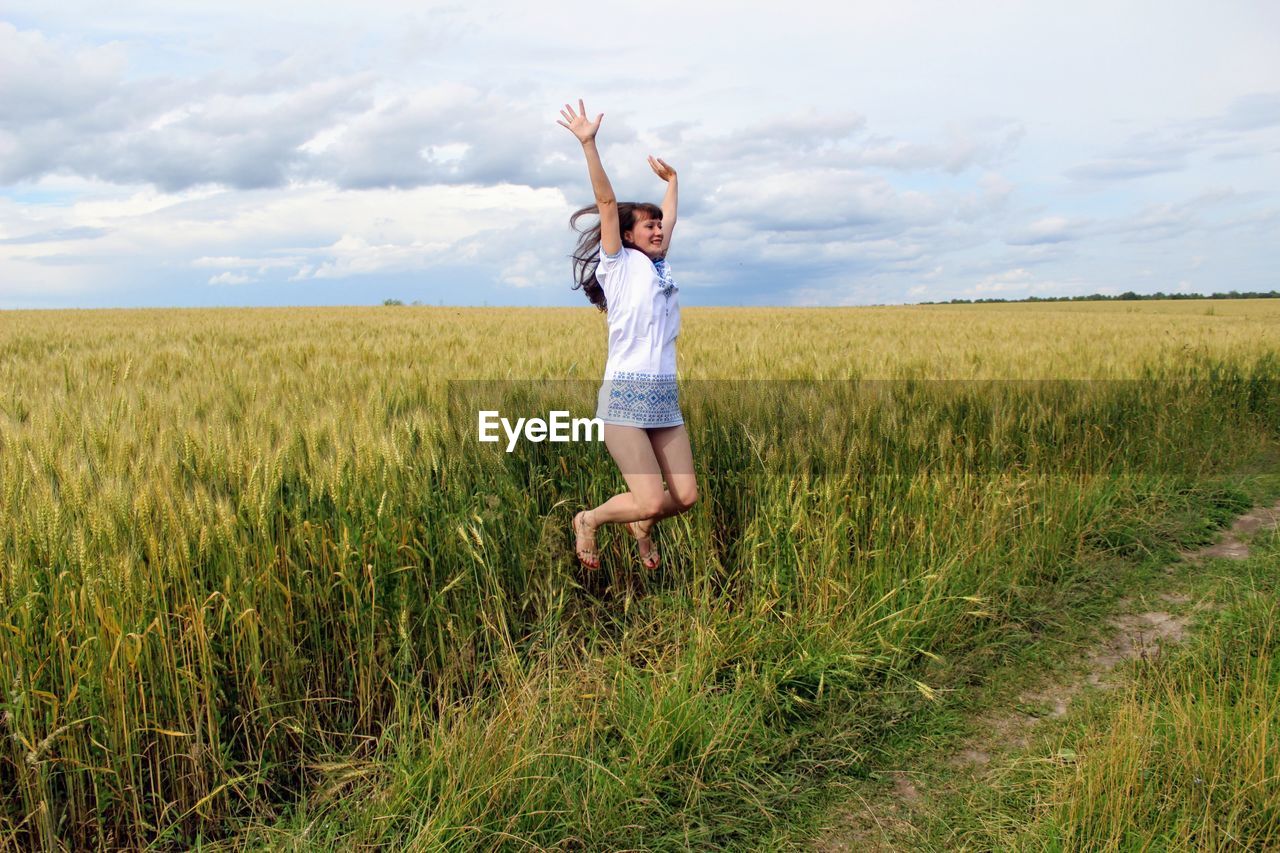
(261, 588)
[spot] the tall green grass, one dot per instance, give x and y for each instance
(1186, 757)
(258, 585)
(1191, 759)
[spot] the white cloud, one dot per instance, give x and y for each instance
(230, 278)
(353, 255)
(526, 269)
(45, 79)
(1020, 282)
(309, 232)
(1050, 229)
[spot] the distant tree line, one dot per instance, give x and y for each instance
(1127, 296)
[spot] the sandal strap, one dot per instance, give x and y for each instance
(652, 556)
(585, 539)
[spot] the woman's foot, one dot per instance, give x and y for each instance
(642, 531)
(584, 534)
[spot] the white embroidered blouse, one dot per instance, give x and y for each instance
(643, 314)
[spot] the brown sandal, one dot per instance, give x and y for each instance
(644, 542)
(585, 541)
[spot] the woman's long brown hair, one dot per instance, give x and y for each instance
(586, 257)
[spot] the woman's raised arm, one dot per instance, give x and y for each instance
(606, 201)
(669, 201)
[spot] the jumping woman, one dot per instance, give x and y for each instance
(620, 264)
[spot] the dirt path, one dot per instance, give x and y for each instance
(862, 826)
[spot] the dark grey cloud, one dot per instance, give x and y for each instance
(801, 203)
(767, 241)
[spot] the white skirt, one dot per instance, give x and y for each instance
(646, 400)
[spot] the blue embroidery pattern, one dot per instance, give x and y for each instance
(645, 399)
(664, 273)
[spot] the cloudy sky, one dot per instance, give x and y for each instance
(339, 153)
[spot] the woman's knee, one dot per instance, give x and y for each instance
(649, 505)
(685, 498)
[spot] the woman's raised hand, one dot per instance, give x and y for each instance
(661, 169)
(577, 122)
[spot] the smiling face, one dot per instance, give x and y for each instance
(645, 235)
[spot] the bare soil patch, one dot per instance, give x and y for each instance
(1233, 545)
(1134, 635)
(863, 825)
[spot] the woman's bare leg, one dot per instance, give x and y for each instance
(645, 458)
(645, 496)
(675, 459)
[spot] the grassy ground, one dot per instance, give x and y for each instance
(1176, 748)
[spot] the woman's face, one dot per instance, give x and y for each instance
(646, 235)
